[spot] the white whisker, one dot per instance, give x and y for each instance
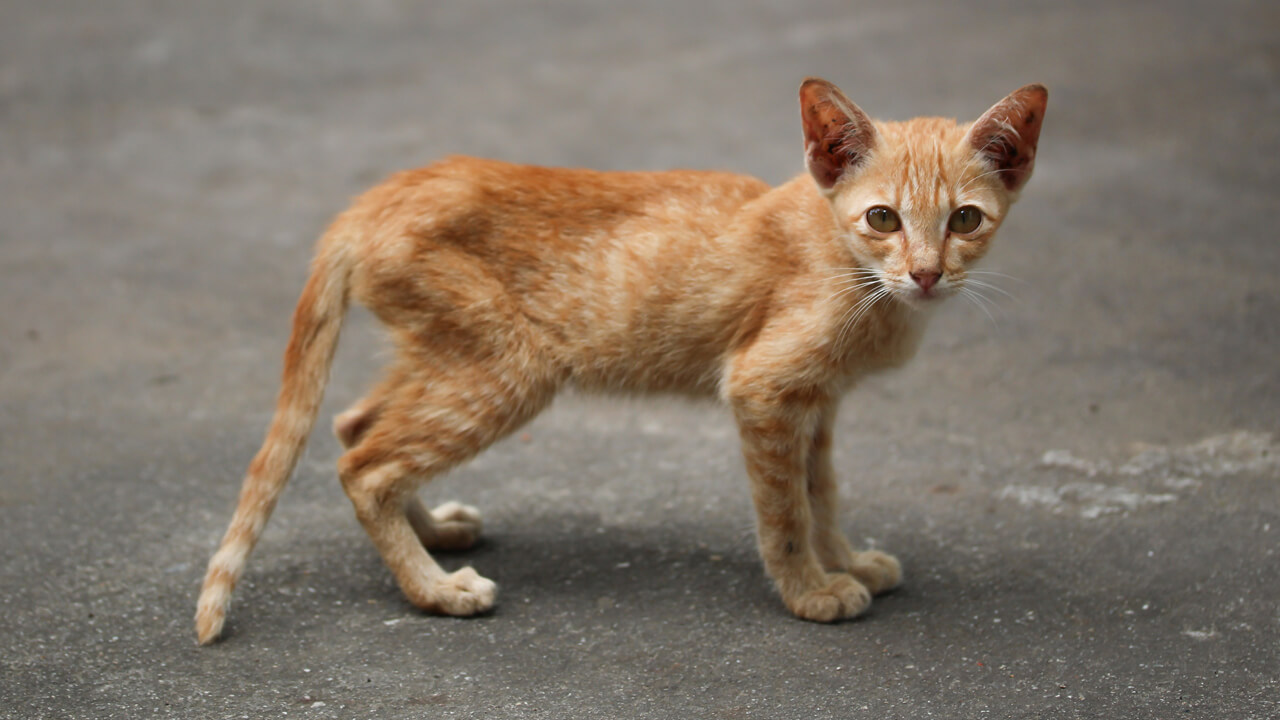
(851, 288)
(994, 288)
(852, 272)
(852, 280)
(851, 276)
(977, 299)
(854, 314)
(860, 284)
(996, 274)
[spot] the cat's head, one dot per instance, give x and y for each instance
(919, 201)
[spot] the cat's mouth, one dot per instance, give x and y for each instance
(918, 296)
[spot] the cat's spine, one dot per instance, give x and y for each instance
(317, 321)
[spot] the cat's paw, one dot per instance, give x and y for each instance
(880, 572)
(843, 597)
(462, 593)
(454, 527)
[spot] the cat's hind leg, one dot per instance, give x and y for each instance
(434, 419)
(350, 425)
(878, 571)
(451, 526)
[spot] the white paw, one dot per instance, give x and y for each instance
(463, 593)
(454, 527)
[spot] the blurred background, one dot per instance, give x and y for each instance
(1082, 486)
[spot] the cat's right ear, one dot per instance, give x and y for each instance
(837, 134)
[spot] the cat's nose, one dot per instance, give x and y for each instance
(926, 279)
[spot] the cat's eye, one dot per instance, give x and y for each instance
(965, 220)
(883, 220)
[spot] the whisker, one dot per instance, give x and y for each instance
(853, 272)
(859, 279)
(849, 289)
(866, 309)
(853, 276)
(995, 288)
(996, 274)
(860, 283)
(854, 314)
(978, 300)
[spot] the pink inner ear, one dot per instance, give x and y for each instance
(836, 133)
(823, 140)
(1008, 133)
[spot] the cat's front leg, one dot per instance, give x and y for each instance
(777, 428)
(878, 571)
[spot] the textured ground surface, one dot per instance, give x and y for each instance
(1082, 488)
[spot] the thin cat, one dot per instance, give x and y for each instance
(501, 284)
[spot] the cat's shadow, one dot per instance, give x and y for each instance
(563, 563)
(568, 560)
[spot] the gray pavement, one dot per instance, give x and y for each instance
(1082, 487)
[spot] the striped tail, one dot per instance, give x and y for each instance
(317, 321)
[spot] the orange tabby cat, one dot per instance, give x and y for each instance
(501, 284)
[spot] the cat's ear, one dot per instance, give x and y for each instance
(1007, 134)
(837, 134)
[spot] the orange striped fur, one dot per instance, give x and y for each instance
(501, 284)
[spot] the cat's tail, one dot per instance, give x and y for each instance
(316, 324)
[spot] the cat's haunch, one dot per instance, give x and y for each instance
(501, 284)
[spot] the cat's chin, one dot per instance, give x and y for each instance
(919, 299)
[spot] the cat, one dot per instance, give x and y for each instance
(500, 284)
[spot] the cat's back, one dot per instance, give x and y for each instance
(537, 183)
(557, 242)
(495, 199)
(528, 220)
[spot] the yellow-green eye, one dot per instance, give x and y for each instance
(883, 220)
(965, 220)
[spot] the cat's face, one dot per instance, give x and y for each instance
(919, 201)
(921, 210)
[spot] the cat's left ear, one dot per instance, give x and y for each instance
(837, 134)
(1007, 134)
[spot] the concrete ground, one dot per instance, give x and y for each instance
(1082, 487)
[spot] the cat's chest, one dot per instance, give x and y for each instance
(883, 341)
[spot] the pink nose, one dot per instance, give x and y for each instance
(926, 279)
